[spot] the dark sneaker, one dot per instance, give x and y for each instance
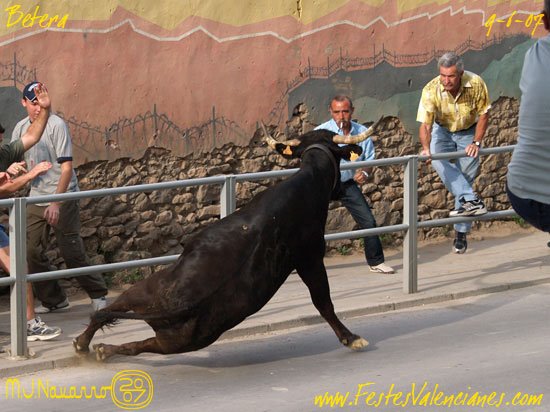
(38, 330)
(474, 207)
(460, 244)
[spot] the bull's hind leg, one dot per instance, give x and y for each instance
(104, 351)
(165, 342)
(314, 276)
(98, 320)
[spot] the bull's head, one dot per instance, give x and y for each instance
(297, 147)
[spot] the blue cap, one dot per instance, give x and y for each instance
(28, 91)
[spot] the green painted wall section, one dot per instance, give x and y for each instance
(501, 76)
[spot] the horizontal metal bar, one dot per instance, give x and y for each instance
(376, 162)
(265, 175)
(115, 191)
(452, 220)
(462, 153)
(108, 267)
(354, 234)
(7, 281)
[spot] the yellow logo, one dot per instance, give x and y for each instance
(132, 389)
(129, 389)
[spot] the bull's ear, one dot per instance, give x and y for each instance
(350, 152)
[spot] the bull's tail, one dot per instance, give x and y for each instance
(106, 317)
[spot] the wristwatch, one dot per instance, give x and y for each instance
(478, 144)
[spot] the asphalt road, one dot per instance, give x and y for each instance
(493, 350)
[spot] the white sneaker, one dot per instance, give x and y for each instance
(38, 330)
(99, 303)
(382, 268)
(57, 308)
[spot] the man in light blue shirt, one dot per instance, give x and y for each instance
(341, 110)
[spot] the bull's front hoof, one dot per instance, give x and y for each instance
(101, 353)
(358, 344)
(80, 350)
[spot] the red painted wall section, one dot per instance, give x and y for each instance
(214, 81)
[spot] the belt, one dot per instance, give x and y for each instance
(461, 130)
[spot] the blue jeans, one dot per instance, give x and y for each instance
(457, 175)
(532, 211)
(352, 198)
(4, 239)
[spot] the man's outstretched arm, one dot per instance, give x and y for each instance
(35, 130)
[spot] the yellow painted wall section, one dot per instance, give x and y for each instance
(168, 14)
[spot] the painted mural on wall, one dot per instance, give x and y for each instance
(128, 74)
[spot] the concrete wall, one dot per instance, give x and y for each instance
(192, 75)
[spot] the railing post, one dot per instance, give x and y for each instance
(410, 218)
(18, 270)
(228, 201)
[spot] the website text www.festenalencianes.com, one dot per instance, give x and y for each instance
(423, 395)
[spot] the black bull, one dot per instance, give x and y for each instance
(233, 267)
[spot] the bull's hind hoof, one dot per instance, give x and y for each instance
(81, 350)
(358, 344)
(100, 352)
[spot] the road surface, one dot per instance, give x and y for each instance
(492, 351)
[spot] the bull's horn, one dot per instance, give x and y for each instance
(272, 142)
(358, 137)
(292, 142)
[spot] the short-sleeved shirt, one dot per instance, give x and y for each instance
(454, 114)
(9, 153)
(366, 145)
(55, 147)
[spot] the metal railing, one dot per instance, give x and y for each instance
(18, 226)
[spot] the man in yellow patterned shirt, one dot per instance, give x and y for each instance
(453, 112)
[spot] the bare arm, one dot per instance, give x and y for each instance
(10, 187)
(425, 136)
(4, 178)
(66, 175)
(35, 130)
(481, 127)
(472, 150)
(51, 214)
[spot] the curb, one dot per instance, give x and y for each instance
(24, 368)
(75, 360)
